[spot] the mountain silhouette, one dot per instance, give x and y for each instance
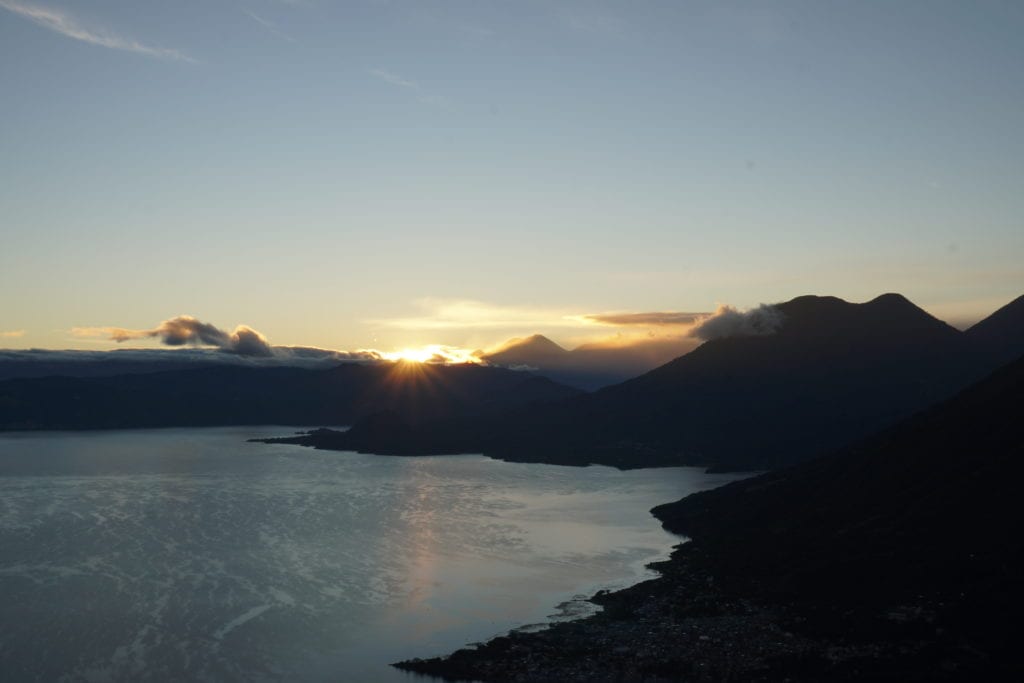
(533, 351)
(590, 366)
(833, 372)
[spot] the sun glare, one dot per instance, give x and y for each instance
(433, 353)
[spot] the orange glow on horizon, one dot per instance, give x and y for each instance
(433, 353)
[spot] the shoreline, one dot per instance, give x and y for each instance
(624, 458)
(678, 625)
(688, 625)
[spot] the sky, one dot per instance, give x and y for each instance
(391, 174)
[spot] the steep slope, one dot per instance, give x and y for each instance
(1001, 335)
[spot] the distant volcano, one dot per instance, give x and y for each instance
(590, 366)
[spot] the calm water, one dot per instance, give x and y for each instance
(191, 554)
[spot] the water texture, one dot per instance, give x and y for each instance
(192, 554)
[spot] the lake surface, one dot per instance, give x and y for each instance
(191, 554)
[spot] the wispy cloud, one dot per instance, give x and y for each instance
(392, 78)
(656, 318)
(269, 25)
(400, 82)
(444, 314)
(726, 321)
(13, 334)
(65, 24)
(260, 20)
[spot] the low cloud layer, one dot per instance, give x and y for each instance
(205, 341)
(84, 363)
(730, 322)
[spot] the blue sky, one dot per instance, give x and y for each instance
(348, 174)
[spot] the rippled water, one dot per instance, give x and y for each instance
(191, 554)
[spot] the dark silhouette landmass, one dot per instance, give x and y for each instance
(898, 558)
(832, 373)
(590, 366)
(214, 395)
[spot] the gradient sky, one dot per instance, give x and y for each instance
(382, 174)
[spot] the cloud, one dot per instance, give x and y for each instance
(652, 318)
(186, 330)
(13, 334)
(388, 77)
(422, 95)
(446, 314)
(265, 23)
(468, 314)
(730, 322)
(248, 344)
(302, 354)
(63, 23)
(269, 25)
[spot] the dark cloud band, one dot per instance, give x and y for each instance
(186, 330)
(653, 318)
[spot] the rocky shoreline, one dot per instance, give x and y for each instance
(685, 626)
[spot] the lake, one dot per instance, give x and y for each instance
(192, 554)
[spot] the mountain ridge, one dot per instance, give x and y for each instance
(831, 373)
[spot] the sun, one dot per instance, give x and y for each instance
(433, 353)
(421, 355)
